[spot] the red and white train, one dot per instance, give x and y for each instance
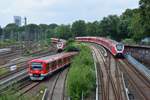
(55, 40)
(116, 48)
(61, 46)
(60, 43)
(42, 67)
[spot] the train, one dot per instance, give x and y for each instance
(55, 40)
(60, 44)
(41, 68)
(116, 48)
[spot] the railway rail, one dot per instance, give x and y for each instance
(55, 86)
(58, 87)
(108, 78)
(138, 77)
(22, 64)
(6, 57)
(11, 80)
(140, 82)
(12, 77)
(27, 86)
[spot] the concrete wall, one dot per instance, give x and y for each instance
(140, 53)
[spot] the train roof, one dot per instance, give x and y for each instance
(109, 40)
(52, 57)
(102, 38)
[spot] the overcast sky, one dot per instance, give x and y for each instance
(61, 11)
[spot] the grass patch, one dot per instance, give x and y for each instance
(81, 77)
(71, 45)
(3, 70)
(10, 95)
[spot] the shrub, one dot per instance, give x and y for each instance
(81, 77)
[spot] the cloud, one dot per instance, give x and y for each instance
(62, 11)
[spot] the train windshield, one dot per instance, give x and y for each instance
(119, 47)
(59, 44)
(36, 66)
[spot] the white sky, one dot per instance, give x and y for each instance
(61, 11)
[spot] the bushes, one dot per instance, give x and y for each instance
(7, 43)
(129, 41)
(71, 46)
(10, 95)
(81, 77)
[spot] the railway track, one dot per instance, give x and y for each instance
(5, 84)
(139, 82)
(116, 79)
(27, 86)
(55, 86)
(6, 57)
(58, 87)
(9, 78)
(112, 78)
(108, 76)
(10, 73)
(21, 65)
(110, 67)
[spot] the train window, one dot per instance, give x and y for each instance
(65, 60)
(60, 62)
(119, 47)
(48, 66)
(68, 59)
(36, 66)
(53, 64)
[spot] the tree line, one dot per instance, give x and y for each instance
(132, 24)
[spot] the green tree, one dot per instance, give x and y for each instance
(136, 26)
(1, 30)
(33, 32)
(79, 28)
(63, 31)
(92, 28)
(125, 20)
(109, 26)
(53, 26)
(1, 34)
(43, 28)
(50, 33)
(125, 23)
(10, 31)
(145, 16)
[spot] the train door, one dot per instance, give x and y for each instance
(59, 63)
(48, 66)
(62, 62)
(53, 65)
(65, 60)
(68, 60)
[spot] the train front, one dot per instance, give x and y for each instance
(37, 70)
(60, 46)
(120, 50)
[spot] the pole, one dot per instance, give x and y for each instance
(82, 95)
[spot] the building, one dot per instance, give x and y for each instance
(17, 20)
